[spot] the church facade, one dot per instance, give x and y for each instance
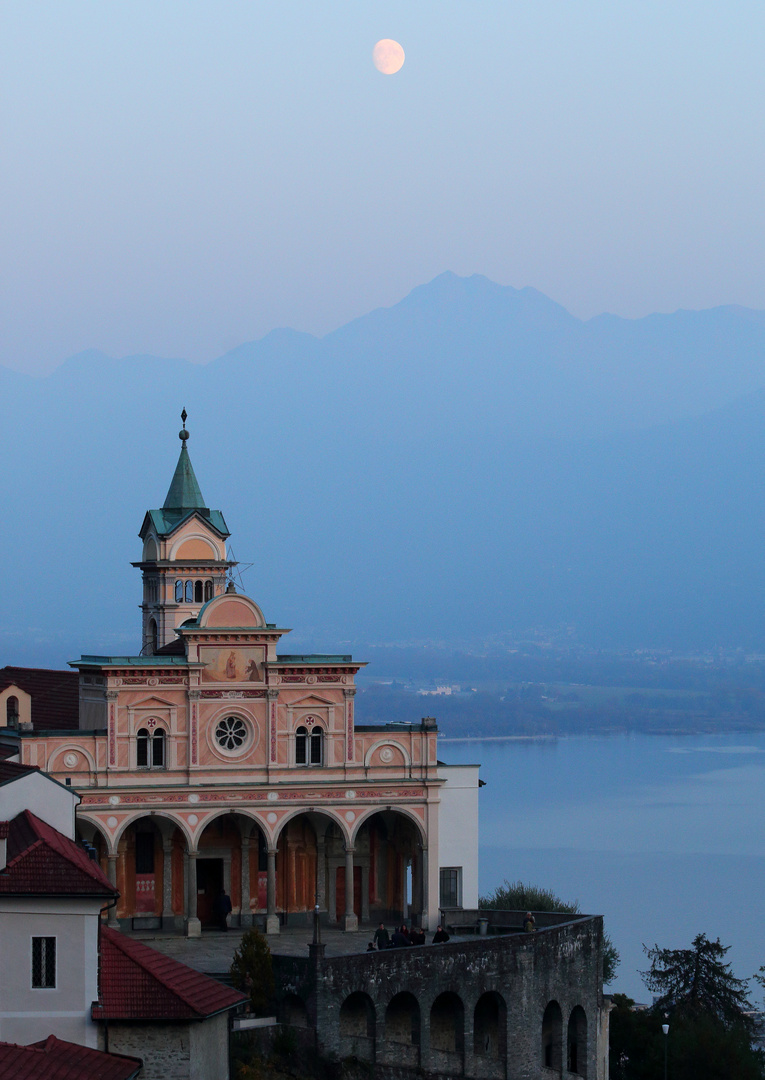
(212, 762)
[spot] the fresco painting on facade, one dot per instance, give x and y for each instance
(193, 779)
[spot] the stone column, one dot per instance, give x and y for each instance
(416, 908)
(365, 892)
(245, 915)
(111, 873)
(350, 923)
(193, 925)
(321, 872)
(272, 919)
(425, 909)
(332, 894)
(168, 922)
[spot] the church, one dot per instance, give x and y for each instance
(213, 762)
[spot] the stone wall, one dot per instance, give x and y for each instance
(510, 1007)
(174, 1051)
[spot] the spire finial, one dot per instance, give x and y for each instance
(183, 434)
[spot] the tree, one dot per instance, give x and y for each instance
(696, 982)
(516, 896)
(710, 1033)
(698, 1048)
(251, 970)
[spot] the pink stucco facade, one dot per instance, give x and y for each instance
(214, 762)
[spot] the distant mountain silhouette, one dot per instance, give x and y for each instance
(471, 461)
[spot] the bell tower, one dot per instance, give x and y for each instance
(184, 560)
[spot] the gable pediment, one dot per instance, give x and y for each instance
(153, 702)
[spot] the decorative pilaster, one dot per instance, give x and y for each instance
(272, 697)
(194, 727)
(349, 695)
(245, 915)
(272, 919)
(111, 697)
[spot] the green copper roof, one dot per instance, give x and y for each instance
(183, 499)
(184, 493)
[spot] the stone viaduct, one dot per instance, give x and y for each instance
(510, 1006)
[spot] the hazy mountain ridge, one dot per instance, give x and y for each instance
(471, 460)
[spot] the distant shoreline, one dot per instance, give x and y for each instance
(497, 738)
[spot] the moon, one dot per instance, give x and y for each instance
(388, 56)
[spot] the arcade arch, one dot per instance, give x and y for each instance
(389, 845)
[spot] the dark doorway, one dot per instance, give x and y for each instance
(209, 885)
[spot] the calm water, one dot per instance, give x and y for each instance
(664, 836)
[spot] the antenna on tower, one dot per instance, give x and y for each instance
(235, 575)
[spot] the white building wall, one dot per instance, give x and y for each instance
(28, 1014)
(458, 826)
(46, 798)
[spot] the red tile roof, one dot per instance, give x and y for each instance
(55, 695)
(13, 770)
(43, 862)
(55, 1059)
(139, 983)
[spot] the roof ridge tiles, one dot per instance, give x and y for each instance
(188, 993)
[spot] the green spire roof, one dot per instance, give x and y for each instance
(184, 493)
(183, 499)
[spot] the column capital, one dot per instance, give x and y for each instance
(272, 695)
(112, 695)
(349, 691)
(194, 694)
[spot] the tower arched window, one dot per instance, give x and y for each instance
(189, 592)
(208, 590)
(150, 748)
(153, 635)
(12, 712)
(309, 746)
(198, 592)
(179, 592)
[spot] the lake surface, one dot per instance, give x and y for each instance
(664, 836)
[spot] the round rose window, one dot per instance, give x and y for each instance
(231, 733)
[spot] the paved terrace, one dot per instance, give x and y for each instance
(214, 950)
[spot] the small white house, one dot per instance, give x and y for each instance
(51, 895)
(458, 836)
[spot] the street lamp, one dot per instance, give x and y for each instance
(665, 1029)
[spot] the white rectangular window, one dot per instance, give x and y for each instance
(43, 963)
(451, 886)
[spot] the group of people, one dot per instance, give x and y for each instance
(403, 937)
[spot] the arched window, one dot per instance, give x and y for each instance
(208, 590)
(309, 746)
(198, 592)
(158, 749)
(142, 749)
(12, 712)
(552, 1023)
(189, 592)
(153, 635)
(577, 1042)
(179, 592)
(150, 748)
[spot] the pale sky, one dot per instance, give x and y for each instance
(178, 177)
